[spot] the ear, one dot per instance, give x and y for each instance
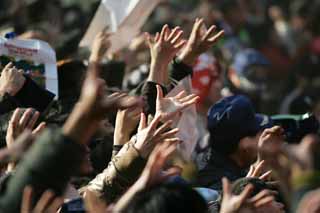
(233, 77)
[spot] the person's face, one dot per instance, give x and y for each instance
(274, 207)
(215, 91)
(248, 149)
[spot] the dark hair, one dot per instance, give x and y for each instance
(167, 198)
(70, 75)
(259, 185)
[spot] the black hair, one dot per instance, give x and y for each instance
(258, 186)
(167, 198)
(70, 76)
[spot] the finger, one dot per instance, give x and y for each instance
(197, 26)
(15, 118)
(173, 32)
(180, 95)
(26, 200)
(163, 128)
(44, 201)
(191, 102)
(216, 37)
(263, 201)
(39, 128)
(8, 66)
(167, 33)
(245, 193)
(25, 118)
(33, 120)
(154, 123)
(143, 122)
(266, 175)
(209, 32)
(263, 194)
(188, 98)
(175, 35)
(180, 45)
(157, 37)
(250, 172)
(169, 134)
(55, 205)
(226, 187)
(257, 171)
(163, 32)
(159, 93)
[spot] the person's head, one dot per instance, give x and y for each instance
(207, 79)
(235, 129)
(258, 186)
(167, 198)
(249, 72)
(233, 13)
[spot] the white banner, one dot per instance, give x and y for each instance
(123, 17)
(187, 124)
(35, 57)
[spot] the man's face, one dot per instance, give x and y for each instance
(248, 147)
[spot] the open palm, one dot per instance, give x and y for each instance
(168, 108)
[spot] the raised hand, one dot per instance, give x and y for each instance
(200, 41)
(100, 46)
(126, 122)
(152, 174)
(257, 171)
(272, 138)
(149, 136)
(20, 122)
(11, 80)
(232, 203)
(168, 108)
(93, 106)
(163, 48)
(48, 202)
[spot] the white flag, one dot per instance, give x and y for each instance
(187, 124)
(123, 17)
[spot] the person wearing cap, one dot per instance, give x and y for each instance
(248, 75)
(234, 129)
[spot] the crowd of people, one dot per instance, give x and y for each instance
(234, 81)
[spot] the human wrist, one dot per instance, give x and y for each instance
(188, 57)
(80, 126)
(156, 72)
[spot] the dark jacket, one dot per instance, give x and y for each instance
(49, 164)
(219, 166)
(30, 95)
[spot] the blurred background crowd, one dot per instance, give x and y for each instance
(269, 52)
(285, 32)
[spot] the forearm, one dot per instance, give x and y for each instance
(80, 126)
(120, 174)
(158, 72)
